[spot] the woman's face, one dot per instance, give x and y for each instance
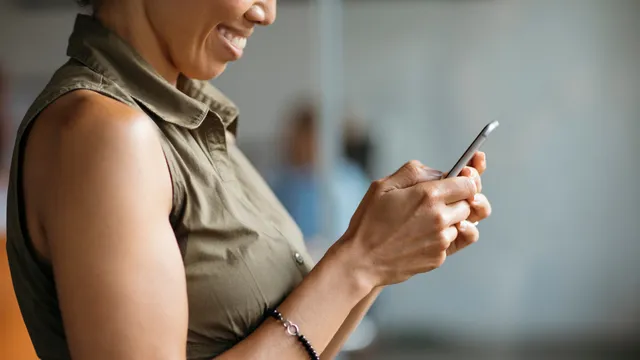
(201, 36)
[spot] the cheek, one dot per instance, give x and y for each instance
(205, 58)
(195, 47)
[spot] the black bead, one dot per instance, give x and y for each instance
(313, 355)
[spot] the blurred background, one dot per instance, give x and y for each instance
(337, 93)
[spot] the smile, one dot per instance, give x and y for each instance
(235, 40)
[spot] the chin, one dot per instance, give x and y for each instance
(205, 71)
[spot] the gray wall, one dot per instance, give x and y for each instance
(563, 77)
(559, 256)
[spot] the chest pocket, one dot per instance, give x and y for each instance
(243, 253)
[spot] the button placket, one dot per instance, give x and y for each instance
(217, 146)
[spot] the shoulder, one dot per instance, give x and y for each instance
(84, 113)
(90, 141)
(93, 131)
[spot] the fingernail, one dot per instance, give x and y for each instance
(463, 225)
(476, 198)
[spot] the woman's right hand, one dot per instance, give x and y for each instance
(406, 222)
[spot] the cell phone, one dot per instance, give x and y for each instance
(473, 148)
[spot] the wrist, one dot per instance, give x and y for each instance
(348, 264)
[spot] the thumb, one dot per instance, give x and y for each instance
(410, 174)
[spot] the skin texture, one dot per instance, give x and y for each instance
(98, 197)
(182, 36)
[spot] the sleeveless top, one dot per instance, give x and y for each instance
(241, 250)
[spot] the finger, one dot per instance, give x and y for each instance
(450, 190)
(480, 208)
(474, 174)
(479, 162)
(456, 212)
(449, 235)
(410, 174)
(467, 234)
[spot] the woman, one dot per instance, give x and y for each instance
(137, 229)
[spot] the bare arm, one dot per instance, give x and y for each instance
(319, 305)
(103, 208)
(121, 284)
(350, 324)
(118, 270)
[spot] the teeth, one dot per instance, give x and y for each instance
(238, 41)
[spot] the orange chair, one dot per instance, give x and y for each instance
(15, 343)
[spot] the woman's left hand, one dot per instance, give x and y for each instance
(480, 207)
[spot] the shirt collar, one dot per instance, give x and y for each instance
(186, 104)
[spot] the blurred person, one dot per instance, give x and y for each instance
(14, 339)
(357, 145)
(298, 187)
(138, 230)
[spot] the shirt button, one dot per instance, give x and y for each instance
(299, 258)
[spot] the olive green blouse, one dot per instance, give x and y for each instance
(242, 252)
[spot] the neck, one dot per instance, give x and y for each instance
(129, 20)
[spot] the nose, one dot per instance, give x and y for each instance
(262, 12)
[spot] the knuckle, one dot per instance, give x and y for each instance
(439, 221)
(468, 185)
(467, 209)
(431, 194)
(377, 185)
(442, 241)
(467, 171)
(413, 164)
(413, 168)
(478, 182)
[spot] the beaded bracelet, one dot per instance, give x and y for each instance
(293, 330)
